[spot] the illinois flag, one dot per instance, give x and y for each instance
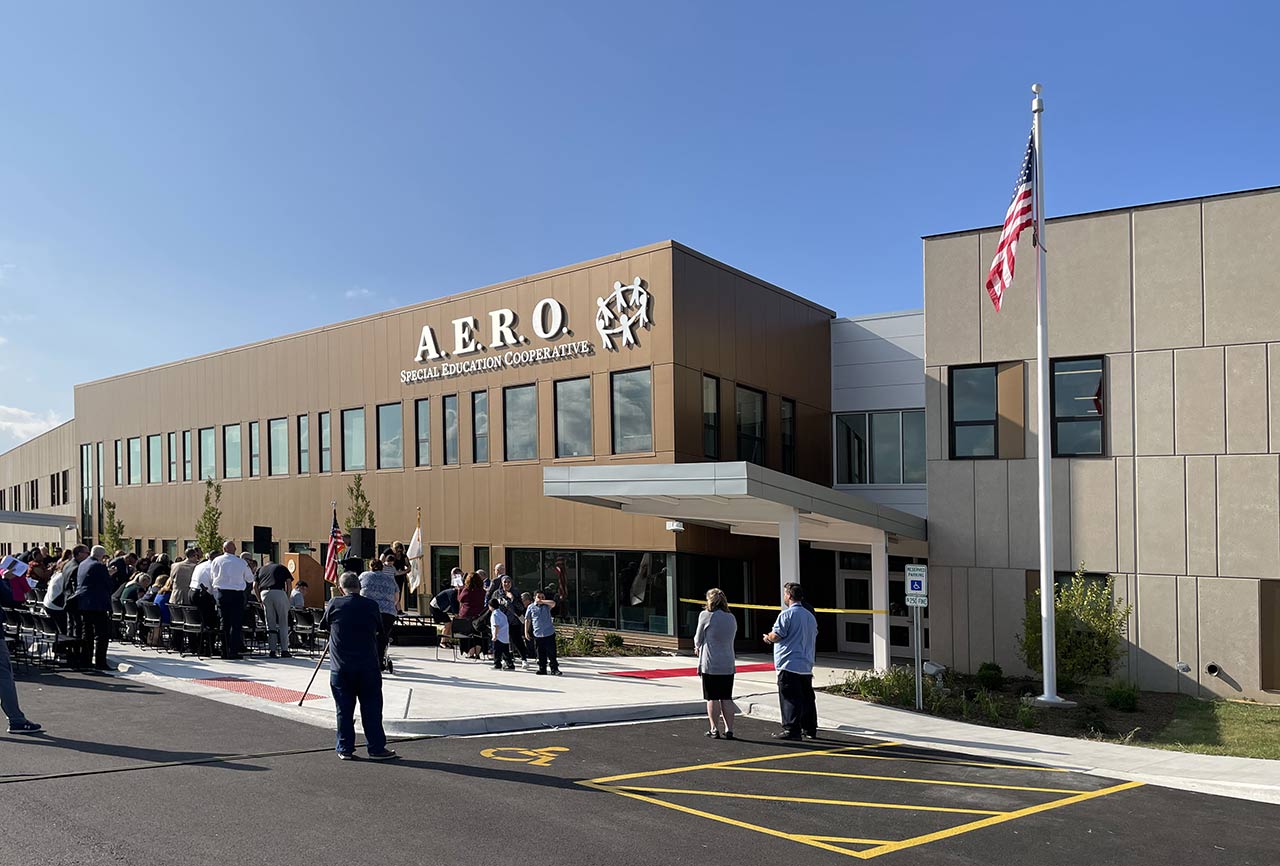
(415, 560)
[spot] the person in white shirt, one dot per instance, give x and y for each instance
(203, 575)
(297, 598)
(231, 576)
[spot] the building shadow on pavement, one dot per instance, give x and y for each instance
(143, 754)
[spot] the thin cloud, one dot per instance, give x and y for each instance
(357, 294)
(22, 424)
(3, 340)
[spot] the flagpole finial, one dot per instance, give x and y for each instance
(1037, 104)
(1035, 88)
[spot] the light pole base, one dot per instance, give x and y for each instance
(1054, 702)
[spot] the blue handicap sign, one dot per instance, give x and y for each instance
(917, 586)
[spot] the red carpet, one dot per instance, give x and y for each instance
(667, 673)
(257, 690)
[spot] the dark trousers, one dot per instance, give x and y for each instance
(501, 651)
(96, 628)
(348, 687)
(517, 641)
(231, 610)
(547, 653)
(799, 707)
(388, 622)
(438, 616)
(59, 618)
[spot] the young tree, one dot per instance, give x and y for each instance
(113, 537)
(359, 510)
(208, 535)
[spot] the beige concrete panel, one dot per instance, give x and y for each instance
(941, 635)
(981, 624)
(1229, 637)
(1161, 515)
(1199, 401)
(1249, 515)
(1089, 291)
(1125, 593)
(1024, 515)
(991, 512)
(960, 635)
(1008, 606)
(935, 431)
(1119, 405)
(1202, 515)
(1093, 513)
(952, 293)
(951, 512)
(1188, 634)
(1167, 298)
(1010, 333)
(1126, 545)
(1247, 422)
(1153, 403)
(1241, 277)
(1158, 640)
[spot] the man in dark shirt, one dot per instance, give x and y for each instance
(271, 584)
(93, 601)
(355, 627)
(121, 569)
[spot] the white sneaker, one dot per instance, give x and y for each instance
(527, 666)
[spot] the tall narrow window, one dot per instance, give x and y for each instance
(632, 411)
(749, 409)
(208, 455)
(232, 460)
(913, 462)
(788, 430)
(1077, 401)
(186, 455)
(119, 464)
(886, 448)
(173, 457)
(573, 417)
(278, 446)
(326, 444)
(422, 427)
(391, 436)
(255, 449)
(711, 417)
(86, 493)
(353, 440)
(304, 444)
(480, 426)
(450, 405)
(85, 529)
(135, 460)
(155, 460)
(973, 412)
(520, 422)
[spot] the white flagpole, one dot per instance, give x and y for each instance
(1049, 658)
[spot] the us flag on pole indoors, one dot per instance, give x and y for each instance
(1021, 214)
(336, 546)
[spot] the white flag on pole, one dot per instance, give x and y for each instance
(415, 560)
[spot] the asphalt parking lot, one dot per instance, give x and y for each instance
(129, 773)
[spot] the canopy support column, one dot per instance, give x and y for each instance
(880, 602)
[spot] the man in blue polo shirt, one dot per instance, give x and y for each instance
(355, 628)
(794, 638)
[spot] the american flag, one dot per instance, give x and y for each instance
(1020, 215)
(336, 547)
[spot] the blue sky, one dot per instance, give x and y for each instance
(177, 178)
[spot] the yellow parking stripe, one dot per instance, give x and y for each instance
(953, 762)
(779, 799)
(996, 819)
(721, 764)
(849, 840)
(903, 779)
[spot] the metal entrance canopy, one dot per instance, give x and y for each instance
(747, 499)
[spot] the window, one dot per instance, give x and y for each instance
(422, 425)
(304, 444)
(86, 493)
(186, 455)
(353, 440)
(632, 411)
(119, 465)
(973, 412)
(326, 444)
(232, 463)
(66, 486)
(155, 460)
(880, 447)
(520, 422)
(788, 431)
(173, 457)
(278, 446)
(480, 427)
(135, 460)
(711, 417)
(85, 528)
(1077, 400)
(208, 457)
(33, 492)
(255, 449)
(450, 404)
(749, 409)
(573, 417)
(391, 436)
(53, 489)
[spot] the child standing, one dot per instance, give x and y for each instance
(501, 637)
(539, 626)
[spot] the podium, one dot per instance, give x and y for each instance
(302, 566)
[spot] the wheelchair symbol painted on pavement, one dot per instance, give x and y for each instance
(533, 757)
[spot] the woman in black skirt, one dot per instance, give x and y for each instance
(713, 642)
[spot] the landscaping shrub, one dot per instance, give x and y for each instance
(896, 686)
(1090, 629)
(1123, 697)
(1027, 716)
(991, 676)
(583, 641)
(613, 641)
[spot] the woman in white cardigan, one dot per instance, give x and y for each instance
(713, 642)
